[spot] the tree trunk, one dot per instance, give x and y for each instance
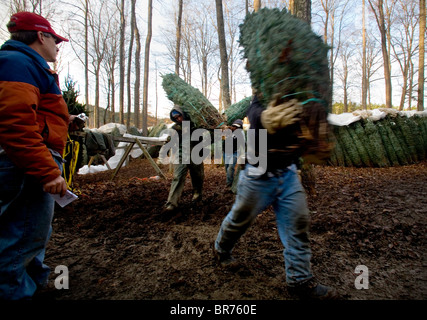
(301, 9)
(122, 62)
(129, 89)
(421, 81)
(225, 87)
(146, 68)
(136, 95)
(113, 96)
(257, 5)
(364, 89)
(178, 37)
(86, 55)
(379, 16)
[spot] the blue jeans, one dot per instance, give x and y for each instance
(286, 194)
(26, 213)
(230, 161)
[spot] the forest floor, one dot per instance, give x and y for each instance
(118, 245)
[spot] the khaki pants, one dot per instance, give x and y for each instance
(179, 177)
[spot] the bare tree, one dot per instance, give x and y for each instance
(301, 9)
(110, 62)
(377, 7)
(122, 61)
(257, 5)
(225, 88)
(421, 79)
(364, 84)
(136, 95)
(129, 65)
(100, 31)
(178, 36)
(146, 67)
(403, 45)
(204, 43)
(346, 54)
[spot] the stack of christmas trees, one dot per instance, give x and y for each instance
(394, 140)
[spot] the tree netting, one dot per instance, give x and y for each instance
(392, 141)
(237, 110)
(201, 112)
(285, 58)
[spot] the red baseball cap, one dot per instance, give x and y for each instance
(30, 21)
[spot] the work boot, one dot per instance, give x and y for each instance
(312, 290)
(170, 207)
(225, 260)
(197, 196)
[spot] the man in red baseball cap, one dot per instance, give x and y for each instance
(34, 121)
(29, 21)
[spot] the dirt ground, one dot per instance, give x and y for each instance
(118, 245)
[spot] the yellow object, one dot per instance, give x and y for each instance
(72, 147)
(277, 117)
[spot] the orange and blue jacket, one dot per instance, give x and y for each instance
(33, 114)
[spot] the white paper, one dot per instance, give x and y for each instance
(67, 199)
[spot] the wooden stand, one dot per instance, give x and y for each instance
(132, 142)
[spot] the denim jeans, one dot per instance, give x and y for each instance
(286, 194)
(26, 213)
(230, 161)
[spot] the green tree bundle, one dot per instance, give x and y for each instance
(155, 132)
(397, 141)
(157, 129)
(201, 112)
(347, 144)
(237, 110)
(359, 138)
(418, 137)
(375, 144)
(407, 132)
(422, 127)
(391, 154)
(285, 57)
(134, 131)
(337, 155)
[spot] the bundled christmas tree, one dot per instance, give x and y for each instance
(237, 110)
(201, 112)
(287, 60)
(285, 57)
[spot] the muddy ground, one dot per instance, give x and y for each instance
(118, 245)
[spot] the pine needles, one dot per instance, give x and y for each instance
(284, 57)
(201, 112)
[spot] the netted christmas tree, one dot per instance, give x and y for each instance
(285, 57)
(201, 112)
(287, 60)
(237, 110)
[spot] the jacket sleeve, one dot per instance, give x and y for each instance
(19, 131)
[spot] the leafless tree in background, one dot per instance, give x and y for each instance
(225, 87)
(421, 66)
(146, 68)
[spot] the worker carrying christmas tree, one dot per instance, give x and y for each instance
(288, 109)
(184, 163)
(233, 147)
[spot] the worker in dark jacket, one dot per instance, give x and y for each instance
(233, 147)
(34, 123)
(180, 167)
(276, 184)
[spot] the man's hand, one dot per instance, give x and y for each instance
(280, 116)
(56, 186)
